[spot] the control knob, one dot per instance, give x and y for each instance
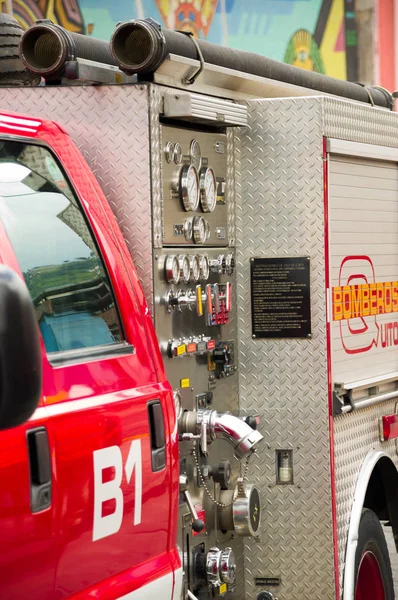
(251, 420)
(217, 265)
(220, 567)
(228, 566)
(222, 354)
(197, 524)
(222, 473)
(229, 264)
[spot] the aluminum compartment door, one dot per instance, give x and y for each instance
(363, 246)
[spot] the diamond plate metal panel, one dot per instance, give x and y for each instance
(156, 94)
(359, 123)
(280, 212)
(110, 127)
(230, 189)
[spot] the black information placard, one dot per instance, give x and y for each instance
(280, 297)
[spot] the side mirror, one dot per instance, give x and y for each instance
(20, 355)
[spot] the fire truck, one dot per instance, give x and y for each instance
(205, 341)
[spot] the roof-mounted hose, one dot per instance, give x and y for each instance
(140, 47)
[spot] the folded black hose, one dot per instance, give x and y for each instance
(140, 46)
(45, 48)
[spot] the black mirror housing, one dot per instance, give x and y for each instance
(20, 354)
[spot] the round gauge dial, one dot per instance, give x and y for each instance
(195, 154)
(185, 271)
(172, 269)
(177, 403)
(189, 187)
(207, 186)
(177, 154)
(195, 267)
(199, 230)
(188, 229)
(204, 267)
(169, 152)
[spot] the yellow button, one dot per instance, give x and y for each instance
(185, 383)
(223, 588)
(181, 349)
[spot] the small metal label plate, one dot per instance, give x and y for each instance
(267, 581)
(280, 297)
(178, 229)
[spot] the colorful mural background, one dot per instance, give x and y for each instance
(314, 34)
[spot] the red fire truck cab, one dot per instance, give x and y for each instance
(89, 493)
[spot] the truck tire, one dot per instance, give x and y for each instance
(373, 579)
(12, 70)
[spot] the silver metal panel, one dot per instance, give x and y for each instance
(359, 123)
(230, 188)
(205, 109)
(116, 149)
(224, 83)
(156, 108)
(185, 325)
(360, 150)
(174, 214)
(176, 325)
(280, 212)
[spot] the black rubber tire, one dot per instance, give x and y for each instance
(12, 70)
(371, 538)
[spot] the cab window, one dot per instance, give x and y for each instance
(56, 251)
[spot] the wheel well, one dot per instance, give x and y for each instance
(382, 493)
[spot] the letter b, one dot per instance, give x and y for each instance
(105, 525)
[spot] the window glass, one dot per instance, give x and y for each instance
(58, 257)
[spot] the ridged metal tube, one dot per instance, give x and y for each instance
(141, 46)
(45, 48)
(222, 426)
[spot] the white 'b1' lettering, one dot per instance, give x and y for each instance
(105, 525)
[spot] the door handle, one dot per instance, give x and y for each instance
(158, 438)
(39, 469)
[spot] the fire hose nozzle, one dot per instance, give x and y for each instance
(137, 45)
(221, 426)
(46, 48)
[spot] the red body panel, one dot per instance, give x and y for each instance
(87, 407)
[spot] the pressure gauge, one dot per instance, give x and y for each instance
(195, 154)
(177, 154)
(188, 229)
(177, 403)
(199, 230)
(195, 267)
(204, 267)
(185, 271)
(169, 152)
(172, 269)
(189, 187)
(207, 186)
